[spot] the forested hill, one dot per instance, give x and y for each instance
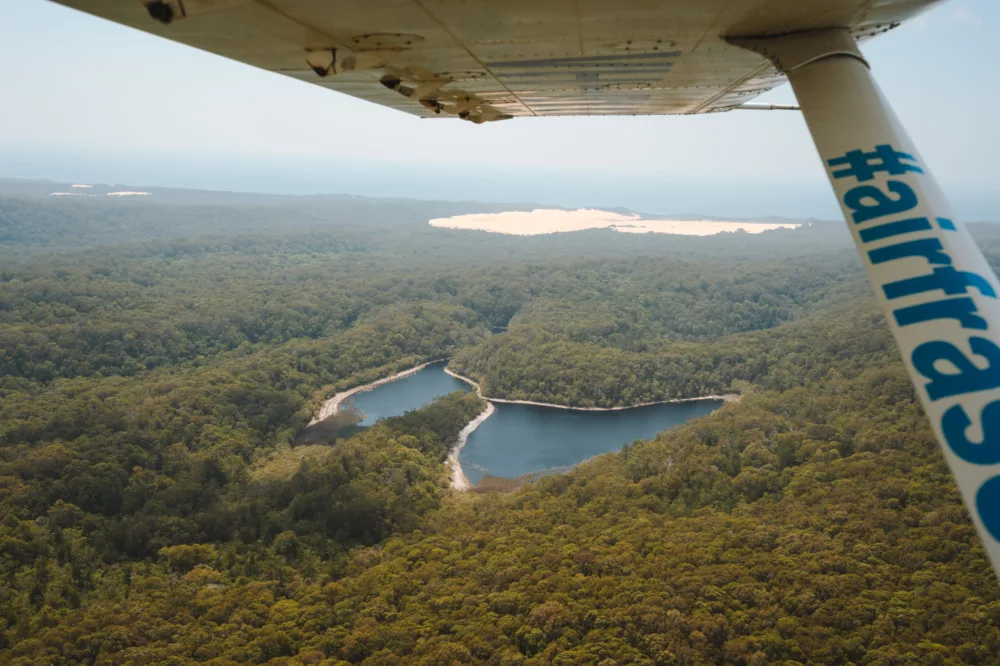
(158, 360)
(33, 221)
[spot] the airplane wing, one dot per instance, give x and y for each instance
(483, 60)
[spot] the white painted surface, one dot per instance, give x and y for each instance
(846, 112)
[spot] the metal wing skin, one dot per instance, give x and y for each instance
(483, 60)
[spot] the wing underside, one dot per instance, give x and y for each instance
(484, 60)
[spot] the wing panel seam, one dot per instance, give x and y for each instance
(472, 55)
(728, 89)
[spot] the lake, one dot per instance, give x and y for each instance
(524, 439)
(402, 395)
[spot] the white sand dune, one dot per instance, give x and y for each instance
(550, 221)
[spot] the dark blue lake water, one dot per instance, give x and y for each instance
(523, 439)
(402, 395)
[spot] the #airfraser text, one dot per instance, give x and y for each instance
(948, 290)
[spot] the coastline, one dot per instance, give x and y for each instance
(458, 479)
(728, 397)
(332, 405)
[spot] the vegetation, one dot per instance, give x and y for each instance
(155, 510)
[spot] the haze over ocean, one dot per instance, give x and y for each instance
(139, 122)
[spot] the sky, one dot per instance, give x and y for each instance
(86, 100)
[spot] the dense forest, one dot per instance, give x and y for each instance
(157, 361)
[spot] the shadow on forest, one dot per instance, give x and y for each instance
(342, 424)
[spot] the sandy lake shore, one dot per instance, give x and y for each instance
(728, 397)
(331, 406)
(458, 478)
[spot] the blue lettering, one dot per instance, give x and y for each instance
(968, 379)
(953, 425)
(863, 166)
(988, 504)
(928, 248)
(868, 202)
(895, 229)
(946, 278)
(949, 308)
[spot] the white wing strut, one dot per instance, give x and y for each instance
(933, 283)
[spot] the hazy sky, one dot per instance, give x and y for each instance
(84, 99)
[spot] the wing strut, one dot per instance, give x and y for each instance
(936, 288)
(767, 106)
